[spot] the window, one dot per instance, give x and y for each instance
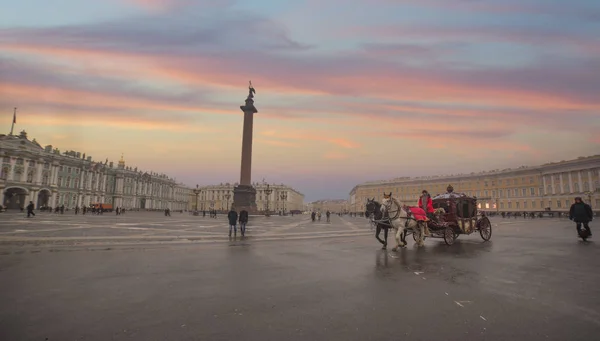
(59, 181)
(576, 188)
(558, 204)
(524, 204)
(533, 204)
(68, 184)
(516, 192)
(524, 192)
(532, 191)
(45, 179)
(540, 191)
(19, 161)
(586, 186)
(30, 176)
(509, 204)
(567, 188)
(4, 173)
(500, 193)
(567, 203)
(502, 205)
(31, 163)
(518, 204)
(531, 180)
(46, 165)
(485, 183)
(6, 159)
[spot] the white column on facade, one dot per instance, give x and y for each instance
(25, 170)
(571, 189)
(2, 197)
(545, 190)
(38, 173)
(552, 183)
(580, 182)
(562, 185)
(590, 184)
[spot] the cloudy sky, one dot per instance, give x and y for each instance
(347, 91)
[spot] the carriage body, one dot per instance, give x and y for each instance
(461, 217)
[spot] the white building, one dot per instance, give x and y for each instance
(50, 179)
(220, 197)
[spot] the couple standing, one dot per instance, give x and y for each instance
(233, 220)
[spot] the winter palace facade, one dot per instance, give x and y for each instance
(50, 178)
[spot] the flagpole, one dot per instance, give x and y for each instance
(13, 122)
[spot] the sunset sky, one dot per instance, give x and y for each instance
(347, 91)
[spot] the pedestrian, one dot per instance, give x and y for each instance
(243, 221)
(30, 209)
(233, 217)
(581, 213)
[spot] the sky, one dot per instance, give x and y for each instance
(347, 91)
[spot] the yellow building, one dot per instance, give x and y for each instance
(335, 206)
(220, 197)
(552, 185)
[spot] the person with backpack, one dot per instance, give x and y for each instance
(581, 213)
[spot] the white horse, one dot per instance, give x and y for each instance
(401, 221)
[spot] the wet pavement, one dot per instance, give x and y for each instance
(535, 280)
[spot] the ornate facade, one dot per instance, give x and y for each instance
(524, 189)
(220, 197)
(49, 178)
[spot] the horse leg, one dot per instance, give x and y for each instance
(377, 236)
(385, 236)
(398, 243)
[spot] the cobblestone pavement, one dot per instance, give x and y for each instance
(135, 227)
(291, 280)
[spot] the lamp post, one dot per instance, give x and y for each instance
(283, 197)
(196, 192)
(268, 192)
(227, 196)
(589, 195)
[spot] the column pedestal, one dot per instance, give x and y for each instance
(244, 198)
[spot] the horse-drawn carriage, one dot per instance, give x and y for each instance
(460, 217)
(455, 214)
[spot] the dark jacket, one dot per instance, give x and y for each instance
(243, 216)
(581, 212)
(30, 207)
(232, 216)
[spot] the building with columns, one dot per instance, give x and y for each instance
(50, 178)
(220, 197)
(335, 206)
(524, 189)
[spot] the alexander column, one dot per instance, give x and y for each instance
(244, 195)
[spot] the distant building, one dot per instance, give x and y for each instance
(220, 197)
(536, 188)
(50, 178)
(336, 206)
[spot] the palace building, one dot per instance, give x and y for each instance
(550, 186)
(50, 178)
(220, 197)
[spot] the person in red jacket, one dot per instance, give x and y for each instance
(426, 204)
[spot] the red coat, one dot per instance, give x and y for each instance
(429, 208)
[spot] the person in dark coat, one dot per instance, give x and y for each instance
(233, 217)
(581, 213)
(30, 208)
(243, 221)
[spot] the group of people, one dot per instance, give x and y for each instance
(234, 218)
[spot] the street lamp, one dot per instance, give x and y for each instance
(283, 197)
(196, 192)
(227, 196)
(268, 192)
(589, 195)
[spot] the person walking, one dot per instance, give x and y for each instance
(30, 209)
(243, 221)
(233, 217)
(581, 213)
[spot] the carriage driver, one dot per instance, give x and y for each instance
(426, 204)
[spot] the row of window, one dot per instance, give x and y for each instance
(533, 205)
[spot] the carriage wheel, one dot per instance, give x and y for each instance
(449, 235)
(485, 228)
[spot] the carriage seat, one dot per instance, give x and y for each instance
(417, 213)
